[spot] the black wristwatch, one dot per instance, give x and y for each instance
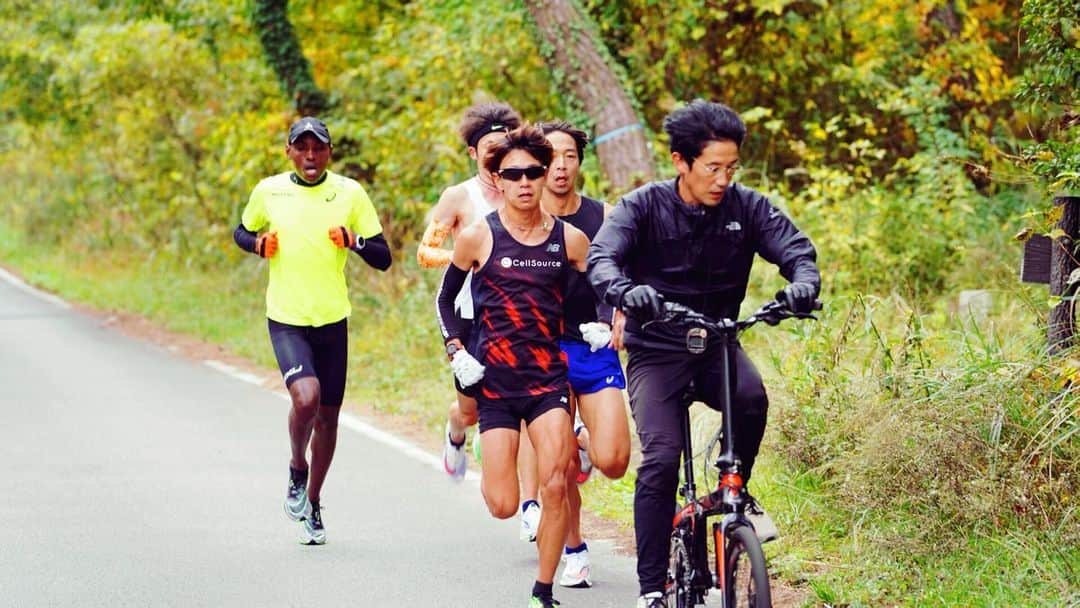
(452, 348)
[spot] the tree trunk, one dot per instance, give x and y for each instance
(579, 57)
(286, 57)
(1062, 324)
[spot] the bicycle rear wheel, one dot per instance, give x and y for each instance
(745, 576)
(679, 592)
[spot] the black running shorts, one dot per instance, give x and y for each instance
(508, 413)
(317, 352)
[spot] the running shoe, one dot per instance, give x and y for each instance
(576, 573)
(583, 454)
(652, 600)
(543, 602)
(476, 449)
(297, 505)
(763, 524)
(530, 522)
(314, 533)
(453, 457)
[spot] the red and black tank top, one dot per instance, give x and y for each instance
(518, 296)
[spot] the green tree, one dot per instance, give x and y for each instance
(1051, 87)
(283, 52)
(580, 64)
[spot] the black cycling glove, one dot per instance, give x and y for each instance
(643, 303)
(798, 297)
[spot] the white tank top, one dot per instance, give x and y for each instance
(480, 207)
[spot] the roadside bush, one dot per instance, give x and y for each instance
(947, 423)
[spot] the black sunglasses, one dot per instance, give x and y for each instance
(513, 174)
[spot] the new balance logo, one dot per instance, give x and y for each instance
(563, 400)
(553, 248)
(292, 372)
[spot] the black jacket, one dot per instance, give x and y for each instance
(696, 255)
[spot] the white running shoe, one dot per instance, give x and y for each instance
(297, 506)
(453, 457)
(530, 523)
(313, 533)
(576, 573)
(763, 524)
(652, 600)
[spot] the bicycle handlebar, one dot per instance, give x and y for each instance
(771, 313)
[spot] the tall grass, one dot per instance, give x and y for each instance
(940, 448)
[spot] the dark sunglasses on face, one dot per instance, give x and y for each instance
(531, 172)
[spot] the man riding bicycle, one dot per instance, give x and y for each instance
(691, 240)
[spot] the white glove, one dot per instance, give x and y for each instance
(598, 335)
(467, 369)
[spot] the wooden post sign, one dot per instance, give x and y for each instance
(1035, 267)
(1053, 260)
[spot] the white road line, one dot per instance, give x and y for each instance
(234, 372)
(347, 420)
(19, 283)
(351, 422)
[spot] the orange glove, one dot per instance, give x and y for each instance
(266, 245)
(342, 236)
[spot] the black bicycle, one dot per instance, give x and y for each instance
(738, 569)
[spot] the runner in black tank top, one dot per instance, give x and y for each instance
(580, 301)
(594, 371)
(518, 257)
(518, 295)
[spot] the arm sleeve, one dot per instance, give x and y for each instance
(608, 253)
(375, 251)
(781, 243)
(245, 238)
(451, 325)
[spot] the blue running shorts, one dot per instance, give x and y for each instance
(591, 372)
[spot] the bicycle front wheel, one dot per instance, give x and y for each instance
(746, 581)
(680, 574)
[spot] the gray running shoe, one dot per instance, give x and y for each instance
(583, 454)
(314, 533)
(297, 505)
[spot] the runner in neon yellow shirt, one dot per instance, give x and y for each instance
(303, 222)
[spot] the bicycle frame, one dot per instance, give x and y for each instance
(728, 497)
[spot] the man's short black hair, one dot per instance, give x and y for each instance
(691, 127)
(581, 138)
(483, 118)
(527, 137)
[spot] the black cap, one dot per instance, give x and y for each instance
(309, 124)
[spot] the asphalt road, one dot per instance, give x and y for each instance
(135, 477)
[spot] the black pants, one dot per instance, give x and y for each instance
(657, 381)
